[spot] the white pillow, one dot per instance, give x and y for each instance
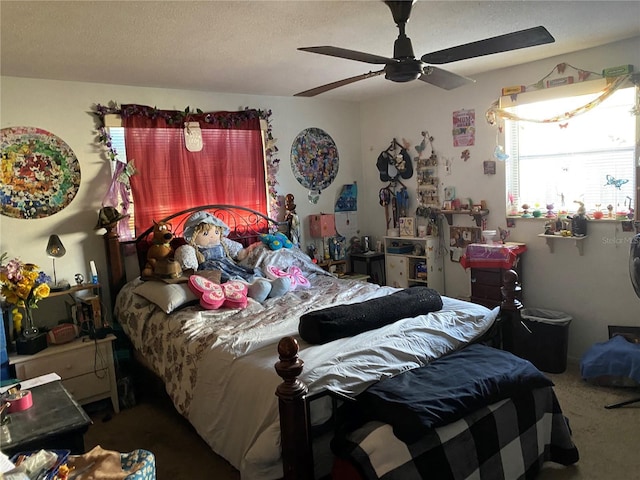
(167, 296)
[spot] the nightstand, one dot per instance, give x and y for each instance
(85, 366)
(373, 265)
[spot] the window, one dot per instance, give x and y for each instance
(588, 158)
(230, 168)
(122, 196)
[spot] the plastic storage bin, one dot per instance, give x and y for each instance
(545, 342)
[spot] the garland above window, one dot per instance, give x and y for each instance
(496, 113)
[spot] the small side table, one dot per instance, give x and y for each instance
(86, 367)
(373, 265)
(55, 421)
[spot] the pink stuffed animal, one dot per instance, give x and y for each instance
(231, 294)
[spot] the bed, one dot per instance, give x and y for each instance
(218, 365)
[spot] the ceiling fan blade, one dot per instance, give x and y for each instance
(502, 43)
(349, 54)
(330, 86)
(444, 79)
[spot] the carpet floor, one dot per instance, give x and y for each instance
(607, 439)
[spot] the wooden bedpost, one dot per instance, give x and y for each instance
(510, 308)
(297, 455)
(117, 275)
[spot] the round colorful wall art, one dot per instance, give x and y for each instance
(40, 173)
(314, 160)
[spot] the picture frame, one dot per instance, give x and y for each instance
(407, 226)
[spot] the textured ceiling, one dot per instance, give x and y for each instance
(250, 46)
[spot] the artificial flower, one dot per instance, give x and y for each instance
(23, 284)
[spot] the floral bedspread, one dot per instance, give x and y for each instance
(173, 345)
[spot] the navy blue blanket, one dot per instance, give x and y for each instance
(447, 389)
(616, 357)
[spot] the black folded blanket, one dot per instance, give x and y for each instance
(328, 324)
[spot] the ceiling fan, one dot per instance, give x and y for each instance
(404, 67)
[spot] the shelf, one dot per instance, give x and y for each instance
(401, 268)
(74, 289)
(477, 216)
(550, 239)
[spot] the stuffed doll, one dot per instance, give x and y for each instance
(208, 248)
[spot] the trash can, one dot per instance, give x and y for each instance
(543, 338)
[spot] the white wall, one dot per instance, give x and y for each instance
(64, 108)
(594, 288)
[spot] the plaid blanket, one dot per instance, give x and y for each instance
(509, 439)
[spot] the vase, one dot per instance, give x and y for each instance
(29, 330)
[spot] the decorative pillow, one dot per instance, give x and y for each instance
(341, 321)
(167, 296)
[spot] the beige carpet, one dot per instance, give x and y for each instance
(608, 440)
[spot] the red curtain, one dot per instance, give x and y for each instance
(229, 169)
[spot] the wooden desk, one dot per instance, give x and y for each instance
(55, 421)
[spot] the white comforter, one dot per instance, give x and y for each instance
(218, 366)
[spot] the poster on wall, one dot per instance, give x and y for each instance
(346, 215)
(40, 173)
(464, 128)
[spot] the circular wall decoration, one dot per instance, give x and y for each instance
(314, 159)
(40, 173)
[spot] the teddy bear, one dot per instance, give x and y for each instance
(208, 248)
(160, 249)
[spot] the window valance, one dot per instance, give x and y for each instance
(142, 116)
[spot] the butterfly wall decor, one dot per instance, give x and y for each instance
(615, 182)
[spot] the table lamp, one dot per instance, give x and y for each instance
(55, 249)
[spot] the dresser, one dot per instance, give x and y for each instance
(488, 264)
(86, 367)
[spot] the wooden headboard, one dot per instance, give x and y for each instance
(246, 227)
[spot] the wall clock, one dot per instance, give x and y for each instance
(314, 160)
(40, 173)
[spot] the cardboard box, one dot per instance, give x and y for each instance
(617, 71)
(513, 90)
(556, 82)
(322, 225)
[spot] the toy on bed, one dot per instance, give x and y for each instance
(276, 241)
(232, 294)
(160, 249)
(208, 248)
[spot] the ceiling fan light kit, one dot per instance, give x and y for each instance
(404, 67)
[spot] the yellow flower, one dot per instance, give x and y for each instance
(11, 297)
(17, 320)
(41, 291)
(23, 290)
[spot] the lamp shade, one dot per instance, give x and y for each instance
(55, 248)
